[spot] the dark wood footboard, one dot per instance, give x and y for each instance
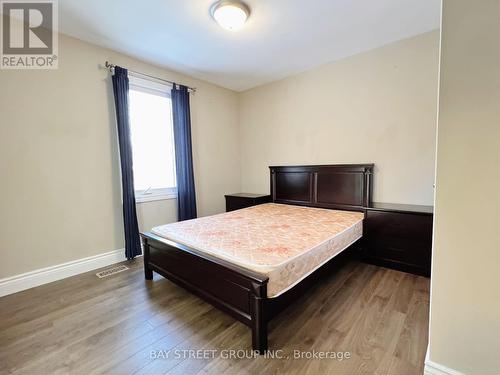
(239, 292)
(235, 290)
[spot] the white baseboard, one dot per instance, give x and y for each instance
(46, 275)
(433, 368)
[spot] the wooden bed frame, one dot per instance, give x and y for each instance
(238, 291)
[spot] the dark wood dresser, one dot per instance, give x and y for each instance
(242, 200)
(399, 236)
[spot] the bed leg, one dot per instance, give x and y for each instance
(259, 326)
(148, 272)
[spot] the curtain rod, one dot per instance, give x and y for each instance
(110, 66)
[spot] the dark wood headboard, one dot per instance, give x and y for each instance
(342, 186)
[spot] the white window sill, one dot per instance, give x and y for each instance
(154, 197)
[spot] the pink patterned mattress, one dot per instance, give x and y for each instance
(284, 242)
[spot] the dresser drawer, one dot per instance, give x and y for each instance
(419, 256)
(403, 239)
(238, 201)
(398, 226)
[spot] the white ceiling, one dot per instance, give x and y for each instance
(281, 37)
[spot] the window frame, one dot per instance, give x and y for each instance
(161, 89)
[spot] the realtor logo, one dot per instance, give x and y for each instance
(29, 34)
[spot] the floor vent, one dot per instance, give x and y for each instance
(111, 271)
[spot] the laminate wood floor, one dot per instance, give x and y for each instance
(119, 324)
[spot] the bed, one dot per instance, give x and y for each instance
(252, 263)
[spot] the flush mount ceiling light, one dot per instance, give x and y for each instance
(230, 14)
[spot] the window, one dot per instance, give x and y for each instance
(153, 156)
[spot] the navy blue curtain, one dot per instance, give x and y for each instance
(186, 200)
(120, 89)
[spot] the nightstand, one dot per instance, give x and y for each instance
(399, 236)
(242, 200)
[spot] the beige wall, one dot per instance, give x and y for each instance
(152, 214)
(59, 166)
(379, 106)
(465, 297)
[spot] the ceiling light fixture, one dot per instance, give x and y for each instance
(230, 14)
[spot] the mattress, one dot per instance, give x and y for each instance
(283, 242)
